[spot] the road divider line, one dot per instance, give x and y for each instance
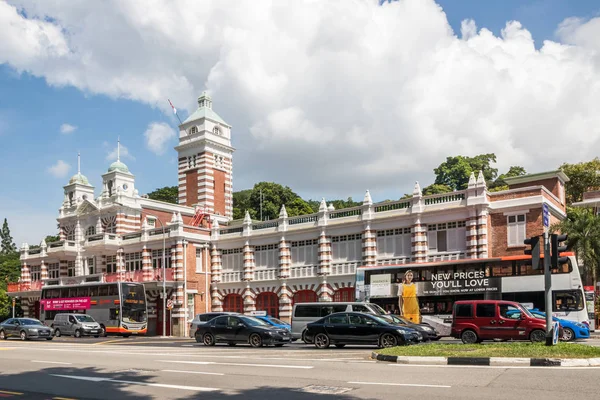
(152, 384)
(51, 362)
(237, 364)
(191, 372)
(400, 384)
(11, 393)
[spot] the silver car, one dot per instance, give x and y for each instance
(77, 325)
(25, 329)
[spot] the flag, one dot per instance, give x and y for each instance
(174, 109)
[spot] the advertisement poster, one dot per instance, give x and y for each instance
(457, 283)
(381, 285)
(75, 303)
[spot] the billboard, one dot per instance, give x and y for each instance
(66, 304)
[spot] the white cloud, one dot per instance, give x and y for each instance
(65, 129)
(111, 153)
(375, 96)
(60, 169)
(157, 137)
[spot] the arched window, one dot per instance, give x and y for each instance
(344, 294)
(233, 303)
(269, 302)
(91, 230)
(216, 130)
(193, 130)
(305, 296)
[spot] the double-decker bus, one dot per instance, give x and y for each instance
(119, 308)
(440, 284)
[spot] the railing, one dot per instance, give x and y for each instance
(265, 225)
(94, 238)
(265, 275)
(227, 277)
(444, 198)
(54, 245)
(231, 230)
(303, 272)
(132, 235)
(14, 287)
(344, 268)
(157, 274)
(449, 256)
(345, 213)
(392, 205)
(34, 251)
(127, 276)
(303, 219)
(393, 261)
(158, 231)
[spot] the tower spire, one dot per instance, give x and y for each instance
(118, 148)
(78, 162)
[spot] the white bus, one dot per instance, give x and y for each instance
(440, 284)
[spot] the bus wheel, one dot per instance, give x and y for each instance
(103, 332)
(57, 332)
(77, 333)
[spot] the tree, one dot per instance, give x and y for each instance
(455, 171)
(48, 239)
(270, 197)
(168, 194)
(436, 189)
(584, 176)
(7, 245)
(241, 203)
(582, 226)
(500, 184)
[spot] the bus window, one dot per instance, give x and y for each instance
(114, 314)
(83, 292)
(72, 292)
(567, 300)
(93, 291)
(64, 292)
(307, 311)
(113, 290)
(103, 290)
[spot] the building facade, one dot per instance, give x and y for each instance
(214, 263)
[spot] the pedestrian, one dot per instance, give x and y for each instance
(407, 298)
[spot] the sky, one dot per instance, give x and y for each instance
(330, 97)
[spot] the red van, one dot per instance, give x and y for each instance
(476, 320)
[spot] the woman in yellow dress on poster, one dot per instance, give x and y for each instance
(407, 299)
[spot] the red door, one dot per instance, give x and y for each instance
(304, 296)
(269, 302)
(159, 319)
(233, 303)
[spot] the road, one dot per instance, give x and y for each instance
(144, 368)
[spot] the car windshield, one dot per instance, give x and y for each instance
(84, 318)
(133, 303)
(30, 322)
(402, 320)
(526, 311)
(378, 309)
(277, 321)
(254, 321)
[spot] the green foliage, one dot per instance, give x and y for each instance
(274, 196)
(455, 171)
(583, 177)
(168, 194)
(436, 188)
(10, 270)
(7, 245)
(582, 226)
(48, 239)
(499, 184)
(241, 203)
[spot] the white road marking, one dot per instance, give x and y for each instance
(187, 345)
(237, 364)
(163, 385)
(191, 372)
(488, 366)
(399, 384)
(51, 362)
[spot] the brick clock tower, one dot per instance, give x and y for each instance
(205, 161)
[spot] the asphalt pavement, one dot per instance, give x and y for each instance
(141, 368)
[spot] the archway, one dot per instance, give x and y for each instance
(344, 294)
(233, 303)
(269, 302)
(304, 296)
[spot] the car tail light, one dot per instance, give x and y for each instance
(586, 323)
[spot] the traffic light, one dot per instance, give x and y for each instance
(557, 248)
(534, 252)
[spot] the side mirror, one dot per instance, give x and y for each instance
(522, 316)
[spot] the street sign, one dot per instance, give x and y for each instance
(546, 215)
(170, 304)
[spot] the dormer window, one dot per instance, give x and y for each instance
(91, 230)
(216, 130)
(193, 130)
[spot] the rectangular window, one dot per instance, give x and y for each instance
(305, 252)
(567, 300)
(463, 310)
(151, 222)
(199, 260)
(133, 261)
(111, 264)
(307, 312)
(36, 272)
(266, 256)
(486, 310)
(91, 266)
(157, 258)
(394, 243)
(516, 229)
(53, 271)
(232, 259)
(71, 268)
(448, 236)
(190, 306)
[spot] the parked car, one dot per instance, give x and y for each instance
(476, 320)
(274, 321)
(205, 317)
(570, 330)
(427, 331)
(234, 329)
(77, 325)
(343, 328)
(24, 328)
(303, 313)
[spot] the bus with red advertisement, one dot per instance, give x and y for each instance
(119, 307)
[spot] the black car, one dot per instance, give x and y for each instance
(345, 328)
(205, 317)
(24, 328)
(427, 331)
(233, 329)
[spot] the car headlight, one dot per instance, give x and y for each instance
(143, 327)
(402, 331)
(428, 329)
(125, 326)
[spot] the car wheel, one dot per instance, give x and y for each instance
(340, 346)
(3, 335)
(321, 341)
(57, 332)
(568, 335)
(469, 337)
(77, 333)
(388, 340)
(255, 340)
(103, 331)
(23, 335)
(208, 339)
(537, 336)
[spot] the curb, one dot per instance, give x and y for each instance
(490, 361)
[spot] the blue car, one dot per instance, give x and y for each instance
(571, 330)
(274, 321)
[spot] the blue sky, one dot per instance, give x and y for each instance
(32, 112)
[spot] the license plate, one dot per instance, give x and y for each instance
(94, 331)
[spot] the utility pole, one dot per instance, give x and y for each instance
(548, 288)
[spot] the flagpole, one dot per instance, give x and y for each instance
(175, 111)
